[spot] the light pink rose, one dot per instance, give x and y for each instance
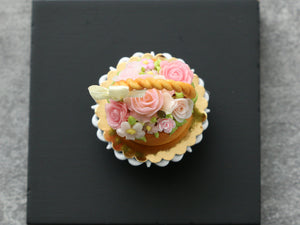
(116, 113)
(144, 76)
(183, 109)
(147, 105)
(131, 70)
(166, 125)
(176, 70)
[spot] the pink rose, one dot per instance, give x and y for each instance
(176, 70)
(147, 105)
(166, 125)
(116, 113)
(183, 109)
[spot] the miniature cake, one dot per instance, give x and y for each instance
(150, 108)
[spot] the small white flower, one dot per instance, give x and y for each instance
(131, 133)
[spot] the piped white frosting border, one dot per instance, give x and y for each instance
(133, 161)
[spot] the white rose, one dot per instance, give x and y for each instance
(183, 109)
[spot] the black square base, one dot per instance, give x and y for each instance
(73, 179)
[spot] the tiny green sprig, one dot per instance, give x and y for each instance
(179, 95)
(157, 64)
(169, 116)
(178, 124)
(131, 120)
(173, 130)
(142, 138)
(153, 119)
(196, 98)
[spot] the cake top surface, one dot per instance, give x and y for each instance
(149, 94)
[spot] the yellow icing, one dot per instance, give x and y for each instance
(131, 131)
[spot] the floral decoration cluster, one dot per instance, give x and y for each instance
(158, 110)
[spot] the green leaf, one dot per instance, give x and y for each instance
(169, 116)
(173, 130)
(143, 69)
(131, 120)
(179, 94)
(156, 134)
(157, 64)
(142, 138)
(153, 119)
(178, 124)
(196, 98)
(193, 84)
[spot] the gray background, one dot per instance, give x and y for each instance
(280, 110)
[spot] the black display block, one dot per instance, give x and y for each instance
(73, 179)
